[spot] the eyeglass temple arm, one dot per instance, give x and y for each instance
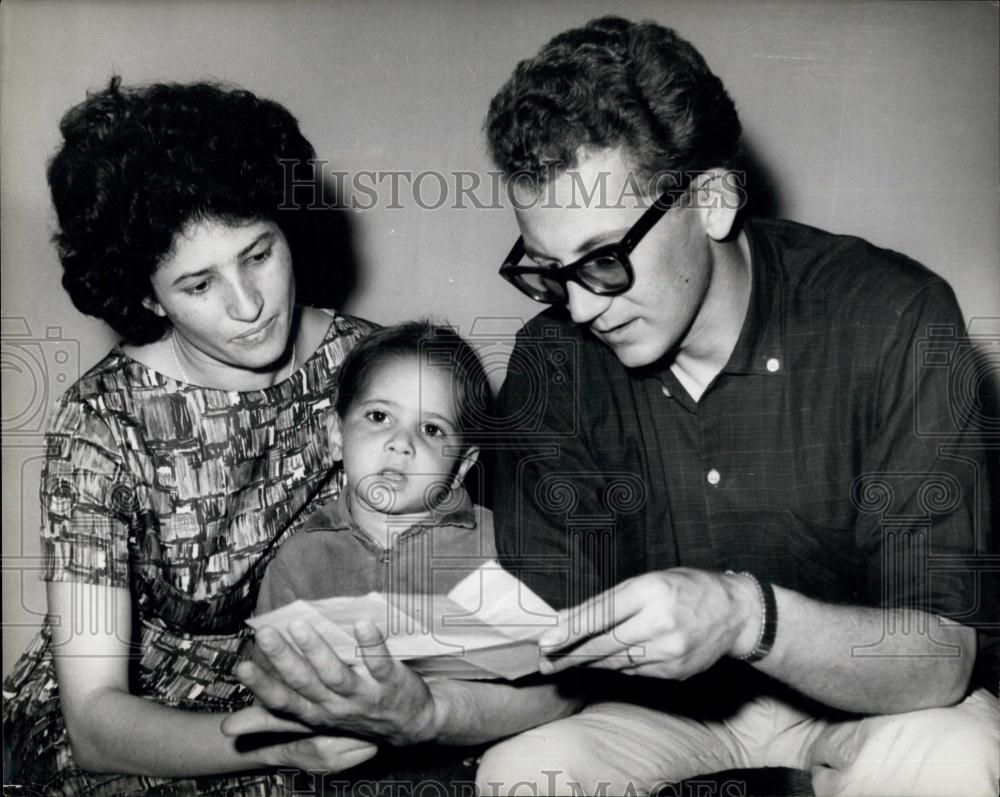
(516, 253)
(660, 206)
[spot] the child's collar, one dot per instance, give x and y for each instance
(456, 509)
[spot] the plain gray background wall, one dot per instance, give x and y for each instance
(878, 119)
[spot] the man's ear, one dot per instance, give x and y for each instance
(718, 195)
(468, 460)
(154, 306)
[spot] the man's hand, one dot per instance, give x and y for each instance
(665, 624)
(382, 699)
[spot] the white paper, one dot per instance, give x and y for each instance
(486, 627)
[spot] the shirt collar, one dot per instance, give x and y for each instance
(457, 510)
(760, 348)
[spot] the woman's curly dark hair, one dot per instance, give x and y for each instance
(138, 164)
(614, 83)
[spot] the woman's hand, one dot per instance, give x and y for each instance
(112, 730)
(382, 699)
(318, 753)
(665, 624)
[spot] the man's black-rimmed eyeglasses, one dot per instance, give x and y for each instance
(606, 270)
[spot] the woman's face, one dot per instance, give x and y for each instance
(229, 292)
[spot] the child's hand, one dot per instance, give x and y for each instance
(383, 699)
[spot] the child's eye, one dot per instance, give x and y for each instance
(433, 430)
(376, 416)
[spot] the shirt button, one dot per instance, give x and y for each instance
(665, 390)
(714, 477)
(773, 365)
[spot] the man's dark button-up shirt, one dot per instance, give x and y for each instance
(833, 455)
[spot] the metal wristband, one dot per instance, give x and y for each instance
(768, 620)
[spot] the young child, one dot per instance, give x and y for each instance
(410, 399)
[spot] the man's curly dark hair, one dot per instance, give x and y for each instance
(614, 83)
(138, 164)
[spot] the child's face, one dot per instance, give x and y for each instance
(401, 445)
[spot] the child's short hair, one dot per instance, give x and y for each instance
(437, 346)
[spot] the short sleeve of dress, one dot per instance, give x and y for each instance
(86, 497)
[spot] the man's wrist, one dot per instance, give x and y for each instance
(436, 713)
(760, 626)
(745, 613)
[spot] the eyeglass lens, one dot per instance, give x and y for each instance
(541, 288)
(603, 274)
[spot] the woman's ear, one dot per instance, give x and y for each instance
(154, 306)
(718, 195)
(468, 460)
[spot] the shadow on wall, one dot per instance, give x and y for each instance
(763, 197)
(985, 353)
(321, 236)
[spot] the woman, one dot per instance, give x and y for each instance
(179, 462)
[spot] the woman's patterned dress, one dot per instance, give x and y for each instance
(179, 494)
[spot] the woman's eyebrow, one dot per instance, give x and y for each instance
(250, 247)
(191, 275)
(268, 234)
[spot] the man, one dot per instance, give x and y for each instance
(728, 468)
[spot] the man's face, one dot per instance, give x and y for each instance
(672, 263)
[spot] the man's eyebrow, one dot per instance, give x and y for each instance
(609, 237)
(534, 254)
(268, 234)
